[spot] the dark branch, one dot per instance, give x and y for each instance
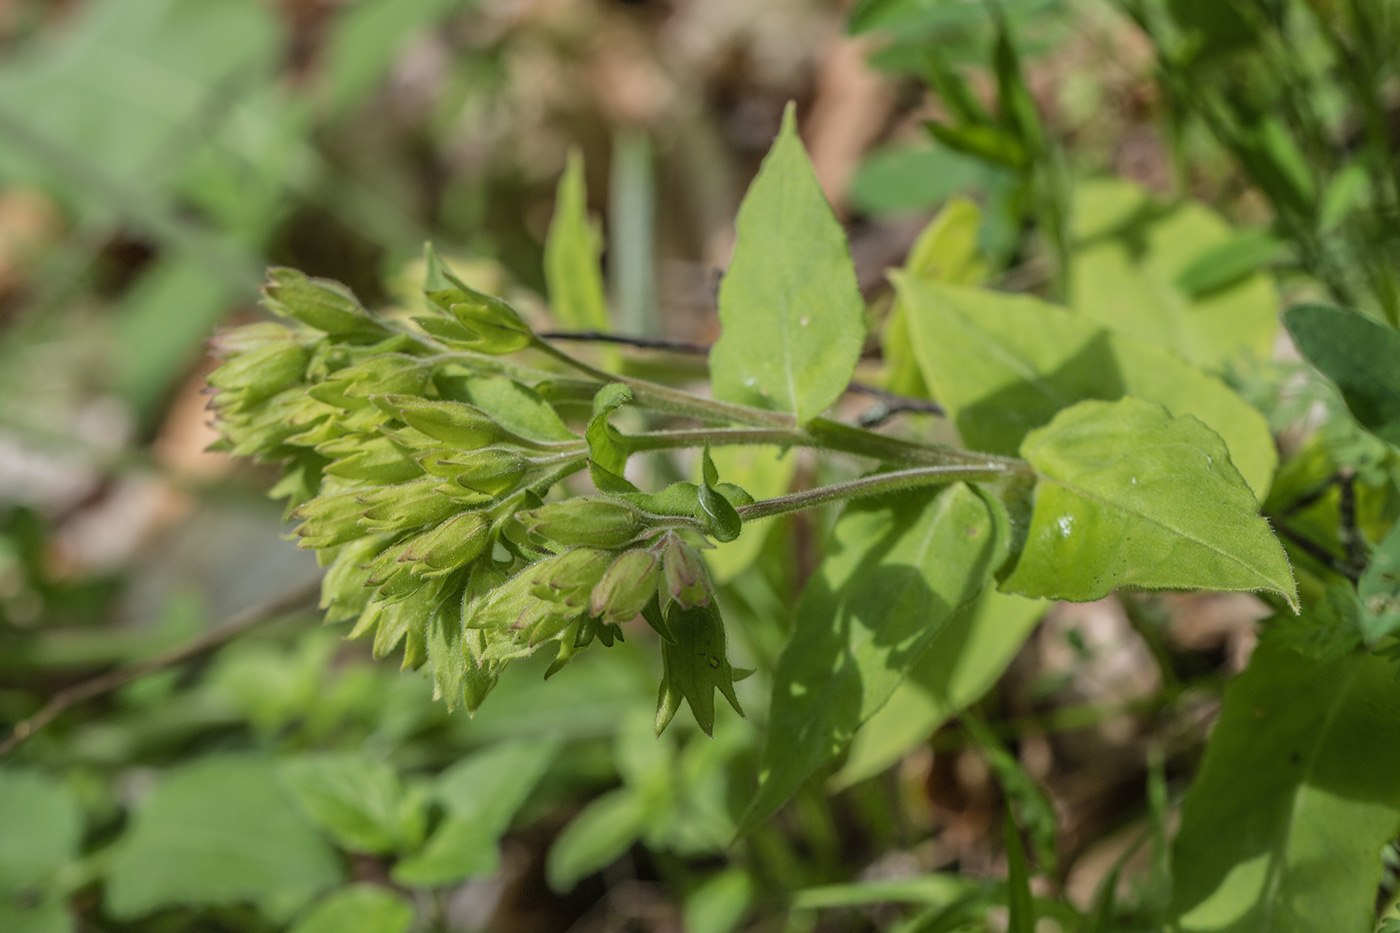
(113, 680)
(889, 404)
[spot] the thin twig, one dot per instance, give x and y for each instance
(892, 403)
(113, 680)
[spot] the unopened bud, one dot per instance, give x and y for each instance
(410, 505)
(569, 578)
(594, 520)
(264, 371)
(454, 543)
(493, 471)
(495, 326)
(454, 423)
(687, 578)
(626, 586)
(329, 520)
(321, 303)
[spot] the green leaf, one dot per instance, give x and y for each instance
(363, 41)
(1124, 276)
(1004, 364)
(792, 315)
(719, 903)
(946, 251)
(40, 830)
(1018, 882)
(966, 657)
(899, 569)
(1227, 263)
(900, 180)
(357, 799)
(215, 832)
(606, 445)
(1357, 354)
(1379, 589)
(981, 141)
(595, 838)
(1283, 829)
(361, 908)
(573, 253)
(1127, 495)
(482, 795)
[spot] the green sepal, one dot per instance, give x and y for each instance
(329, 520)
(450, 546)
(454, 423)
(405, 506)
(262, 372)
(320, 303)
(376, 460)
(494, 326)
(626, 586)
(693, 666)
(715, 512)
(598, 521)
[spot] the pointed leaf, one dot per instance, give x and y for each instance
(792, 315)
(899, 569)
(1284, 827)
(1004, 364)
(573, 253)
(1357, 354)
(1127, 495)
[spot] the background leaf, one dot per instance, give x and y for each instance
(1283, 828)
(964, 660)
(899, 568)
(362, 908)
(358, 800)
(573, 254)
(219, 831)
(1004, 364)
(40, 829)
(792, 315)
(1129, 496)
(1125, 274)
(1359, 356)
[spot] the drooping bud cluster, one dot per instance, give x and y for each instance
(415, 465)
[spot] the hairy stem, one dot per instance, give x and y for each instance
(871, 486)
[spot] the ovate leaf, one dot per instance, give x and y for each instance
(573, 254)
(218, 831)
(899, 569)
(357, 799)
(792, 315)
(361, 908)
(1126, 273)
(1004, 364)
(1127, 495)
(964, 660)
(40, 829)
(1360, 356)
(1283, 828)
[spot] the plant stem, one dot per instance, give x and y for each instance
(871, 486)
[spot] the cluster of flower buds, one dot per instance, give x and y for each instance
(415, 465)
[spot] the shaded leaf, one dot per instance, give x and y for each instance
(573, 253)
(898, 569)
(966, 657)
(1004, 364)
(357, 799)
(1283, 829)
(1357, 354)
(595, 838)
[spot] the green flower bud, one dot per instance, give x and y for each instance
(454, 543)
(387, 374)
(329, 520)
(687, 577)
(410, 505)
(454, 423)
(598, 521)
(343, 591)
(494, 471)
(495, 326)
(376, 460)
(262, 372)
(323, 304)
(626, 586)
(569, 578)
